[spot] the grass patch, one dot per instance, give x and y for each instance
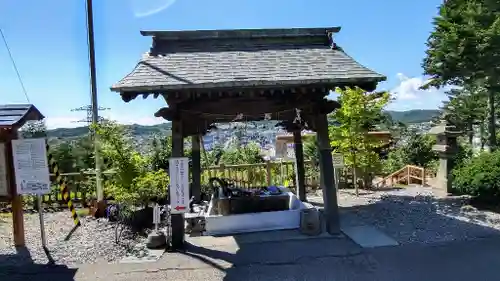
(5, 215)
(82, 212)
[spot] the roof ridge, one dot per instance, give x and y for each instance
(240, 33)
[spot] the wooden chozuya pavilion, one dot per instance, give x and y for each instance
(213, 76)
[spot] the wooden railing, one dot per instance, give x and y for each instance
(407, 175)
(261, 174)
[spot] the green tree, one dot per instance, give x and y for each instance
(161, 151)
(134, 182)
(466, 108)
(464, 50)
(34, 129)
(83, 152)
(311, 151)
(359, 111)
(248, 154)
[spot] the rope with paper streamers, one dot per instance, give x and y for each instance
(61, 181)
(240, 116)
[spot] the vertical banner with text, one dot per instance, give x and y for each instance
(179, 184)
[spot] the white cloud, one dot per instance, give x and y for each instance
(408, 88)
(145, 8)
(71, 121)
(408, 95)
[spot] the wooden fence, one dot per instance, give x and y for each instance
(82, 185)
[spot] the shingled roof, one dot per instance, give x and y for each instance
(15, 115)
(181, 60)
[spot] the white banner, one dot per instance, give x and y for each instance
(179, 184)
(31, 166)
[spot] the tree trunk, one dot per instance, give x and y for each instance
(354, 175)
(470, 132)
(482, 135)
(492, 139)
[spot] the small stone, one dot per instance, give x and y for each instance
(156, 240)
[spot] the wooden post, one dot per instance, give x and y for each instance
(196, 167)
(16, 200)
(408, 179)
(423, 177)
(331, 208)
(268, 173)
(300, 173)
(177, 220)
(222, 169)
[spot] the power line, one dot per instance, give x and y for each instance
(15, 66)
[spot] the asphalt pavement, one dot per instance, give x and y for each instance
(335, 258)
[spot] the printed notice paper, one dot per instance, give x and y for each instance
(31, 166)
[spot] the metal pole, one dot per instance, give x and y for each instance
(156, 216)
(95, 108)
(42, 224)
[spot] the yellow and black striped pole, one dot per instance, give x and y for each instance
(63, 186)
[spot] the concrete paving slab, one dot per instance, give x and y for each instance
(368, 236)
(150, 256)
(258, 237)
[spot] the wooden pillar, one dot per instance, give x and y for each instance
(7, 136)
(196, 167)
(331, 209)
(300, 173)
(177, 220)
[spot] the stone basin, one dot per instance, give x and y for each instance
(261, 213)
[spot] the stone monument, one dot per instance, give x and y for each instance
(446, 146)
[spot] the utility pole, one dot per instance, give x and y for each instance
(88, 110)
(95, 107)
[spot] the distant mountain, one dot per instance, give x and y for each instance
(138, 130)
(414, 116)
(407, 117)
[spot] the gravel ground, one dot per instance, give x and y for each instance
(93, 241)
(410, 215)
(419, 215)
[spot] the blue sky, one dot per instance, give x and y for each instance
(48, 41)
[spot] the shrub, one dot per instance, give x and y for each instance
(463, 154)
(418, 150)
(396, 160)
(146, 188)
(479, 177)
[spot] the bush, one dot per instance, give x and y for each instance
(479, 177)
(463, 154)
(146, 188)
(416, 150)
(396, 160)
